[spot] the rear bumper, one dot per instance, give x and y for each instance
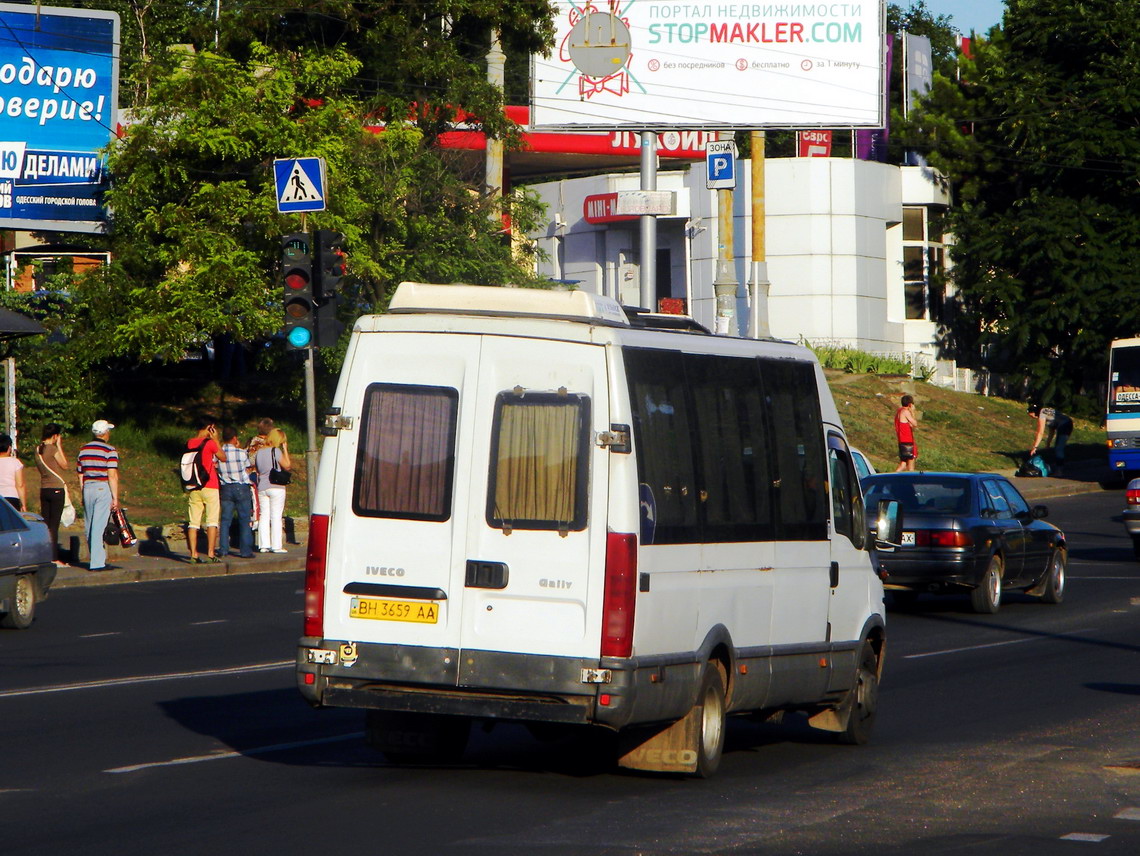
(915, 571)
(482, 684)
(1131, 519)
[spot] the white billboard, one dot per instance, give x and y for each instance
(648, 64)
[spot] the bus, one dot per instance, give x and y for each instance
(1122, 414)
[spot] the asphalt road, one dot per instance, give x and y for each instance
(161, 718)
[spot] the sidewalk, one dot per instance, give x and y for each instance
(1080, 477)
(156, 557)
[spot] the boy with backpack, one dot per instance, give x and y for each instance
(204, 501)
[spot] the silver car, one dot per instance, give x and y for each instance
(26, 567)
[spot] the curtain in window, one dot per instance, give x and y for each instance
(407, 449)
(536, 472)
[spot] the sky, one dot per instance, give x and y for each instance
(979, 15)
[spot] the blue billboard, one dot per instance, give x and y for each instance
(59, 93)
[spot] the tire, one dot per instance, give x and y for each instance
(713, 719)
(1054, 591)
(864, 698)
(986, 598)
(1136, 546)
(23, 611)
(414, 738)
(904, 599)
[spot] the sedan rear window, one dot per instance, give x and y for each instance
(920, 495)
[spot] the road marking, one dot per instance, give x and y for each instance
(1128, 814)
(100, 635)
(967, 648)
(212, 621)
(1089, 837)
(148, 679)
(221, 756)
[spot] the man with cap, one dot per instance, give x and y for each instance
(98, 468)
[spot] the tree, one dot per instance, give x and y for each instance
(195, 227)
(1041, 139)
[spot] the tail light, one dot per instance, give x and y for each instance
(315, 574)
(620, 595)
(1133, 496)
(942, 538)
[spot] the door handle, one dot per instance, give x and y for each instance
(835, 574)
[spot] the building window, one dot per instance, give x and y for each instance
(923, 262)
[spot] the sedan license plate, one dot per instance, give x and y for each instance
(378, 609)
(907, 539)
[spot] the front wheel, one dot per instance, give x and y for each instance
(23, 611)
(986, 598)
(712, 720)
(864, 698)
(1054, 591)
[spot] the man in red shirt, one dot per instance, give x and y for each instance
(205, 501)
(905, 423)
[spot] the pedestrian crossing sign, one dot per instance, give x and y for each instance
(300, 184)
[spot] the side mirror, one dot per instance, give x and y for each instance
(889, 526)
(1040, 511)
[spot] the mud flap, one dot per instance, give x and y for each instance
(834, 718)
(672, 749)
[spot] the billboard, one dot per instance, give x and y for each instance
(59, 90)
(646, 64)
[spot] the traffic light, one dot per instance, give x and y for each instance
(331, 263)
(299, 298)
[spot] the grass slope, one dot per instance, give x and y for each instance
(957, 431)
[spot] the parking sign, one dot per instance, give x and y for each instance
(720, 164)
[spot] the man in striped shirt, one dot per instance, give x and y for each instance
(98, 468)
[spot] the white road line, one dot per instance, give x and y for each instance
(968, 648)
(221, 756)
(212, 621)
(100, 635)
(148, 679)
(1087, 837)
(1128, 814)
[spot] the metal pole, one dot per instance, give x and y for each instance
(758, 286)
(496, 76)
(311, 456)
(649, 223)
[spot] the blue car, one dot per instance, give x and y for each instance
(26, 567)
(967, 532)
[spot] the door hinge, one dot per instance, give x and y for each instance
(335, 422)
(597, 676)
(616, 439)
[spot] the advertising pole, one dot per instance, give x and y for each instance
(648, 223)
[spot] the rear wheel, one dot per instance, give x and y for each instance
(23, 604)
(712, 718)
(986, 598)
(864, 698)
(1054, 591)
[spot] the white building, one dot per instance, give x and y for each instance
(850, 247)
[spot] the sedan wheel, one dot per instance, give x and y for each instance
(1054, 591)
(23, 603)
(986, 598)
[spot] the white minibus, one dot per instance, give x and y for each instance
(536, 506)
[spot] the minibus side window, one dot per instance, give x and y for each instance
(733, 443)
(793, 407)
(663, 442)
(539, 461)
(406, 460)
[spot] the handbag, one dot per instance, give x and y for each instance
(67, 517)
(277, 475)
(112, 532)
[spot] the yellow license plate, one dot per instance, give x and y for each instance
(394, 610)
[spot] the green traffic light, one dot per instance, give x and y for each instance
(300, 337)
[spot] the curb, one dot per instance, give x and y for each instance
(137, 569)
